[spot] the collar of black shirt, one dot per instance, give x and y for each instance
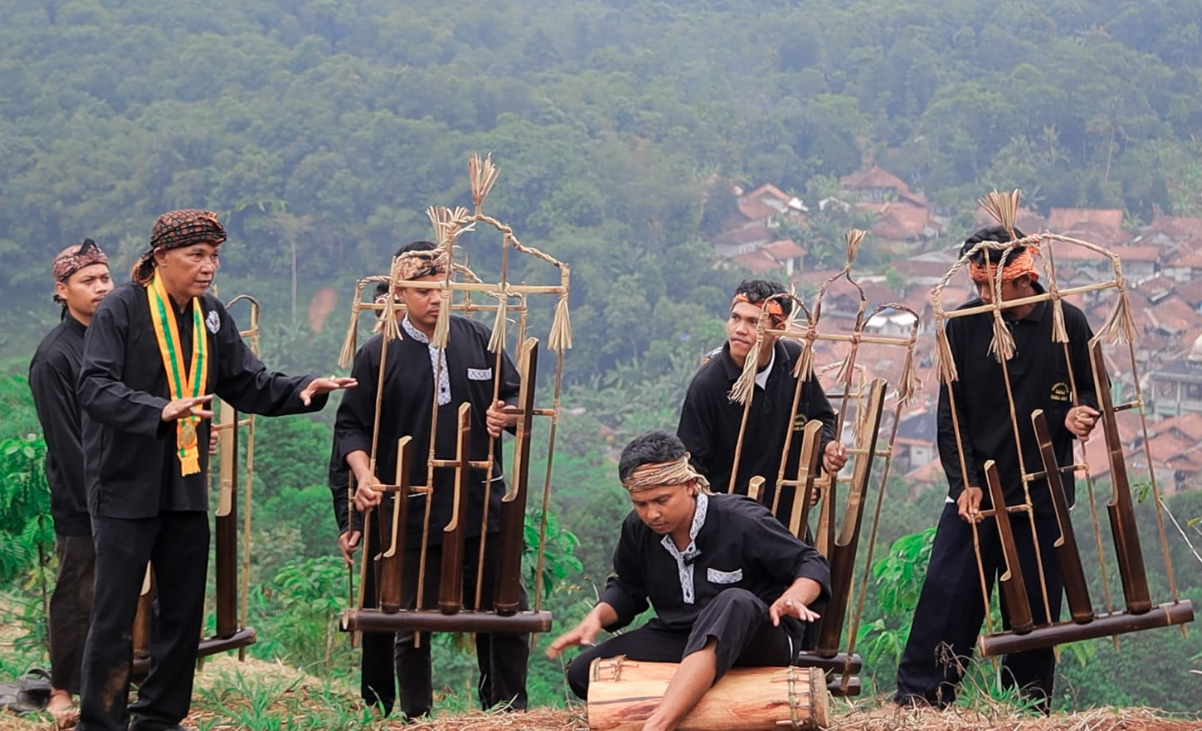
(733, 371)
(74, 325)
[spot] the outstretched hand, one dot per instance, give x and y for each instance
(789, 606)
(183, 407)
(321, 386)
(582, 634)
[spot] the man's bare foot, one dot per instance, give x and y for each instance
(62, 708)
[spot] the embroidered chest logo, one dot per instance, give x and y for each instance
(799, 422)
(213, 322)
(1060, 391)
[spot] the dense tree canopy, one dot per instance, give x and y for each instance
(322, 129)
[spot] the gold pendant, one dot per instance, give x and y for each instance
(187, 435)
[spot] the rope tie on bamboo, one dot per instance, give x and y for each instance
(1059, 331)
(661, 474)
(908, 383)
(945, 364)
(847, 369)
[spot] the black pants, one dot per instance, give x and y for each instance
(951, 610)
(501, 658)
(177, 546)
(70, 609)
(736, 619)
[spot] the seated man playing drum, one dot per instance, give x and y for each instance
(730, 585)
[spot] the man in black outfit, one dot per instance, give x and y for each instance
(157, 351)
(710, 420)
(950, 608)
(463, 372)
(81, 280)
(730, 585)
(378, 658)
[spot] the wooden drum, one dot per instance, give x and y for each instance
(622, 695)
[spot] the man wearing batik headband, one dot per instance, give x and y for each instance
(950, 608)
(81, 280)
(462, 372)
(729, 584)
(158, 350)
(710, 422)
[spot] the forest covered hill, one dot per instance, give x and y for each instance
(322, 130)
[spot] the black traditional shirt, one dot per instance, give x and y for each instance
(407, 409)
(736, 543)
(132, 467)
(710, 422)
(1039, 379)
(53, 374)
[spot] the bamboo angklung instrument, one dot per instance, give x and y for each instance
(809, 465)
(450, 588)
(843, 554)
(251, 335)
(1075, 588)
(513, 505)
(809, 479)
(1127, 550)
(1119, 327)
(142, 619)
(1011, 580)
(226, 524)
(390, 563)
(451, 615)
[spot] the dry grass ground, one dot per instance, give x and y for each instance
(260, 696)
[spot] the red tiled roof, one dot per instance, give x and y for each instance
(1191, 292)
(930, 473)
(899, 221)
(756, 261)
(1096, 232)
(772, 190)
(1156, 287)
(756, 210)
(1174, 315)
(744, 235)
(1028, 221)
(874, 177)
(1187, 259)
(1189, 425)
(1060, 219)
(784, 249)
(1137, 253)
(1177, 227)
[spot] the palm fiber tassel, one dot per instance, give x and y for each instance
(347, 354)
(560, 338)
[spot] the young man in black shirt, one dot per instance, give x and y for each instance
(710, 420)
(730, 585)
(81, 280)
(465, 373)
(157, 351)
(950, 608)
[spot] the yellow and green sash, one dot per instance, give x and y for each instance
(166, 332)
